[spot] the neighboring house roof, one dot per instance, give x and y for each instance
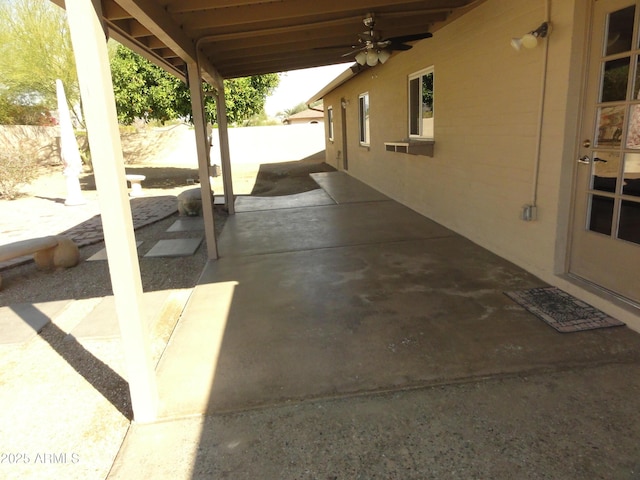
(306, 116)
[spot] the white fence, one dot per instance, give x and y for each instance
(176, 144)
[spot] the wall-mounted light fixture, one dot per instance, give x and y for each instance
(530, 40)
(371, 57)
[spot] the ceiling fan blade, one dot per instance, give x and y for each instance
(352, 52)
(410, 38)
(402, 47)
(336, 47)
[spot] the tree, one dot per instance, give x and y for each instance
(301, 107)
(245, 97)
(145, 91)
(35, 49)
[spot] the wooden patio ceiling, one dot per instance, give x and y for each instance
(247, 37)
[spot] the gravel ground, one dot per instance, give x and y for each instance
(91, 279)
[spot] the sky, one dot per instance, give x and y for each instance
(298, 86)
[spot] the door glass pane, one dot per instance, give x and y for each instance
(636, 82)
(414, 106)
(610, 123)
(427, 105)
(633, 129)
(629, 228)
(620, 30)
(615, 80)
(631, 183)
(364, 118)
(601, 215)
(604, 171)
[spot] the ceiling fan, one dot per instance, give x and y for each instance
(372, 49)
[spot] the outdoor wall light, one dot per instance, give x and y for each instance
(530, 40)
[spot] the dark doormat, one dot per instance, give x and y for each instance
(562, 311)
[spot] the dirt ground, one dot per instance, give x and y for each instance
(263, 180)
(91, 279)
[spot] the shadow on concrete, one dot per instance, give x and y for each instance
(363, 340)
(106, 381)
(289, 178)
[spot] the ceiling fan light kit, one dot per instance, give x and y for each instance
(372, 57)
(383, 55)
(371, 50)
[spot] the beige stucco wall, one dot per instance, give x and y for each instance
(487, 105)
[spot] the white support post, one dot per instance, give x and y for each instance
(202, 148)
(225, 156)
(96, 89)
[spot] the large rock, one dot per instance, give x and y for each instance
(190, 202)
(64, 255)
(54, 251)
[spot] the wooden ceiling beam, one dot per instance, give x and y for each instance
(318, 37)
(353, 23)
(275, 31)
(289, 10)
(176, 61)
(248, 70)
(280, 58)
(138, 30)
(166, 53)
(155, 18)
(159, 23)
(112, 11)
(155, 42)
(178, 6)
(134, 45)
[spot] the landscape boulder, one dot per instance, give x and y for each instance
(190, 202)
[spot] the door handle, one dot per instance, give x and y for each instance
(596, 159)
(584, 159)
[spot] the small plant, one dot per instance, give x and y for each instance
(83, 146)
(18, 163)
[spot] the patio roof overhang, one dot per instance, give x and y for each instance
(205, 40)
(238, 38)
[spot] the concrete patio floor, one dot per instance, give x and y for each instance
(358, 339)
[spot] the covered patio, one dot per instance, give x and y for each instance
(204, 41)
(342, 335)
